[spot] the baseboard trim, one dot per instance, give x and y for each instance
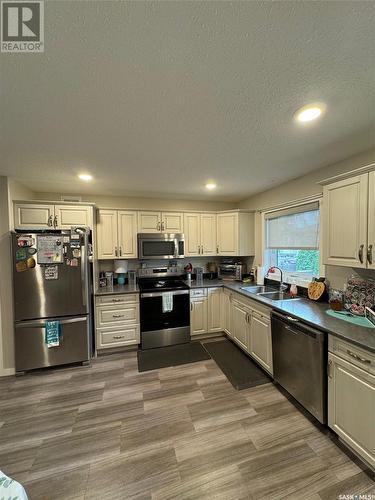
(6, 372)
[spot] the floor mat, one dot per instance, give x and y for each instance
(173, 355)
(240, 370)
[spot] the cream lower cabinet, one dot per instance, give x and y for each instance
(117, 234)
(235, 234)
(241, 317)
(205, 311)
(50, 216)
(200, 234)
(249, 324)
(351, 401)
(117, 321)
(260, 345)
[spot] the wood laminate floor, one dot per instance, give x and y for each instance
(109, 432)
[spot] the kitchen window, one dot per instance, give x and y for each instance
(292, 242)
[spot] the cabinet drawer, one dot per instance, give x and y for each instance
(198, 292)
(109, 315)
(355, 355)
(128, 335)
(117, 299)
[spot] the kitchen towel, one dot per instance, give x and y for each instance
(167, 302)
(53, 329)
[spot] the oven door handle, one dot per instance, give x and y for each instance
(160, 294)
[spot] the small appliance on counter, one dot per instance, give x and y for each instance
(212, 270)
(121, 268)
(229, 269)
(199, 276)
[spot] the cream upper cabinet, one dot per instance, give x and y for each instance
(351, 406)
(192, 234)
(345, 222)
(160, 222)
(235, 234)
(33, 216)
(371, 223)
(149, 222)
(172, 222)
(200, 234)
(214, 323)
(107, 234)
(47, 215)
(260, 344)
(127, 234)
(117, 234)
(208, 234)
(73, 215)
(240, 317)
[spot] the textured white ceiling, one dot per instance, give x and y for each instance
(158, 97)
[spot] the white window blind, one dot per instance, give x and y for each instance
(293, 228)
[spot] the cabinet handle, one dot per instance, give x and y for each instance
(120, 251)
(191, 306)
(158, 226)
(118, 315)
(163, 226)
(217, 249)
(49, 222)
(329, 368)
(119, 336)
(369, 254)
(202, 249)
(358, 358)
(360, 254)
(55, 221)
(116, 252)
(116, 300)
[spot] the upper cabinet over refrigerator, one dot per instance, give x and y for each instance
(349, 221)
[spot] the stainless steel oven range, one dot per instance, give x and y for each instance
(164, 308)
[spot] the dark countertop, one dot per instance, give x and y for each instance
(312, 313)
(117, 290)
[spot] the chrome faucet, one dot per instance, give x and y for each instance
(283, 286)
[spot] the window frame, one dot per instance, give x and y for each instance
(301, 279)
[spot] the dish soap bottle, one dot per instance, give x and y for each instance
(293, 290)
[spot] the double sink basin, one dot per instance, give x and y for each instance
(268, 292)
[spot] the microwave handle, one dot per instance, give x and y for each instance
(176, 249)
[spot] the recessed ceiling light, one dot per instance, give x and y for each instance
(310, 112)
(210, 185)
(85, 177)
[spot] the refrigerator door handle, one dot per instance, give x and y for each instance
(84, 274)
(40, 323)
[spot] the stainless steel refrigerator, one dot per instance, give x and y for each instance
(52, 298)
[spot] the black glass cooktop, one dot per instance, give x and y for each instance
(161, 284)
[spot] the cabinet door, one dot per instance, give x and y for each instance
(345, 222)
(33, 216)
(240, 324)
(127, 234)
(226, 311)
(214, 310)
(351, 403)
(371, 222)
(72, 215)
(198, 315)
(192, 235)
(227, 233)
(149, 222)
(208, 234)
(172, 222)
(260, 340)
(107, 234)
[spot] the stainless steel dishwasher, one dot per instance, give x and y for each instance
(300, 362)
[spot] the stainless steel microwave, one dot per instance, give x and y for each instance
(161, 246)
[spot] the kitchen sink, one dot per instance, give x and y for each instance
(277, 295)
(259, 289)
